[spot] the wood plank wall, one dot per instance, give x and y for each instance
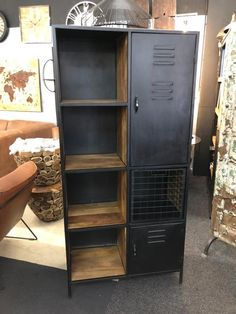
(162, 11)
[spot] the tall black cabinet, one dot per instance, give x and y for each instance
(124, 106)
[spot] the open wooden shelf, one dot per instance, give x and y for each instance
(97, 67)
(94, 161)
(96, 262)
(95, 137)
(96, 199)
(94, 215)
(94, 102)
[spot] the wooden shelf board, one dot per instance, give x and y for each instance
(96, 161)
(96, 262)
(94, 102)
(94, 215)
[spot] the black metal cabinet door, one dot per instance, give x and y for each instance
(162, 74)
(156, 248)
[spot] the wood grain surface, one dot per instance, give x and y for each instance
(79, 162)
(96, 263)
(122, 134)
(122, 69)
(95, 214)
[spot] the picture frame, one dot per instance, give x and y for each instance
(35, 24)
(20, 85)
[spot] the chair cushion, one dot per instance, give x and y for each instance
(15, 181)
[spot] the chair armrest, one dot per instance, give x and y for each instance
(55, 132)
(7, 163)
(15, 181)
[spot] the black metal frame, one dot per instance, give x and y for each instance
(61, 104)
(24, 238)
(207, 247)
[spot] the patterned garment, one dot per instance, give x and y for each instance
(224, 200)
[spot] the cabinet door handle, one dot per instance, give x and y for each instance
(136, 104)
(45, 80)
(134, 249)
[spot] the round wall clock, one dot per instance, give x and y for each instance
(3, 27)
(82, 14)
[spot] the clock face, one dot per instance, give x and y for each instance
(3, 27)
(82, 14)
(35, 24)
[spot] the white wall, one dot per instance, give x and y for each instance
(193, 22)
(12, 47)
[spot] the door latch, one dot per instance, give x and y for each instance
(136, 104)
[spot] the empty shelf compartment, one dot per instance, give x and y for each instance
(95, 137)
(98, 253)
(96, 263)
(92, 65)
(96, 199)
(95, 214)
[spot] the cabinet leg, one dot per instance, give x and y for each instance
(206, 250)
(181, 276)
(69, 290)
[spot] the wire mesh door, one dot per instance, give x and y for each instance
(157, 194)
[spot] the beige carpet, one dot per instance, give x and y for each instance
(48, 250)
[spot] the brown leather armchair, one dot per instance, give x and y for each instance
(15, 190)
(11, 129)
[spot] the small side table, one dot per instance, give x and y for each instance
(46, 197)
(47, 202)
(47, 162)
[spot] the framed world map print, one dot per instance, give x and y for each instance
(19, 85)
(35, 24)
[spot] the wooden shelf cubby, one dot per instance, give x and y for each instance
(94, 215)
(106, 257)
(94, 263)
(100, 58)
(95, 137)
(101, 201)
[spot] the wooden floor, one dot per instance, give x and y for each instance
(96, 262)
